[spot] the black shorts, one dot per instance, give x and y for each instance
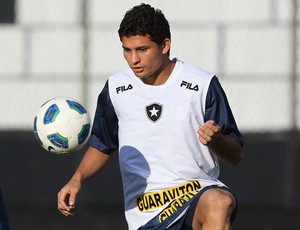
(184, 220)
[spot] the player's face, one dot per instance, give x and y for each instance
(146, 58)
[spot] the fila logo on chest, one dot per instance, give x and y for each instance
(123, 88)
(189, 85)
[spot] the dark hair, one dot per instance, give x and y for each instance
(145, 20)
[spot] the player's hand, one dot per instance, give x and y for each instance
(66, 198)
(208, 132)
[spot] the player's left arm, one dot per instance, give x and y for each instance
(219, 131)
(223, 146)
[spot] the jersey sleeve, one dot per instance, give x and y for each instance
(104, 136)
(217, 108)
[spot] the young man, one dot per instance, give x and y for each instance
(170, 122)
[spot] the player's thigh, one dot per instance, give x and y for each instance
(215, 202)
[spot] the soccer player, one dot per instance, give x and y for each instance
(170, 122)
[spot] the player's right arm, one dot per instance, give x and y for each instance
(92, 162)
(103, 142)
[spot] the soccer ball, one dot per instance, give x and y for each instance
(62, 125)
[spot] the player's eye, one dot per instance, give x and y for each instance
(126, 50)
(143, 49)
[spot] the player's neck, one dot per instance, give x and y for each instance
(162, 74)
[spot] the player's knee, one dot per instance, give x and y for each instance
(220, 202)
(215, 208)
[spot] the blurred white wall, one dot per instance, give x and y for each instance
(247, 43)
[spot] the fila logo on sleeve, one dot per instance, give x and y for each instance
(154, 111)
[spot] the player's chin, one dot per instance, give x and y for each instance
(139, 75)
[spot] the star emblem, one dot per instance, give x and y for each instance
(154, 111)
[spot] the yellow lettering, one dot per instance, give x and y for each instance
(157, 200)
(139, 202)
(151, 203)
(154, 200)
(165, 197)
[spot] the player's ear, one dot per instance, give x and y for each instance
(166, 46)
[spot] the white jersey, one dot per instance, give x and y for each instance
(160, 154)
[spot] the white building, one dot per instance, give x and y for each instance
(249, 44)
